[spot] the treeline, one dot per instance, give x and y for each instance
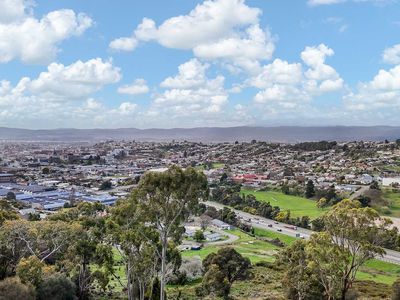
(90, 251)
(315, 146)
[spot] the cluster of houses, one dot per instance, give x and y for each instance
(48, 175)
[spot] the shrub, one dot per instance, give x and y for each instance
(13, 288)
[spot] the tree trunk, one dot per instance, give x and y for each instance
(83, 280)
(129, 284)
(163, 265)
(344, 289)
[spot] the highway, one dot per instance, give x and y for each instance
(271, 225)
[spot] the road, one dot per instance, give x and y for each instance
(262, 223)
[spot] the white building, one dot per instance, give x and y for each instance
(390, 180)
(221, 225)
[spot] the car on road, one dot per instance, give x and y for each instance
(276, 222)
(279, 230)
(269, 225)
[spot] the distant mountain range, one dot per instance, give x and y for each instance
(288, 134)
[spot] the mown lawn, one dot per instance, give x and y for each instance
(394, 198)
(288, 240)
(256, 250)
(298, 206)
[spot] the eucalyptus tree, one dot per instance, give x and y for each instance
(165, 201)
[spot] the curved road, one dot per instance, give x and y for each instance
(262, 223)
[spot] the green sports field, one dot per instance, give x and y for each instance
(298, 206)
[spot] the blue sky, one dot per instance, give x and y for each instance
(187, 63)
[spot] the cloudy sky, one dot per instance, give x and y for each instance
(188, 63)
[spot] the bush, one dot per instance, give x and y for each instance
(13, 288)
(56, 287)
(30, 270)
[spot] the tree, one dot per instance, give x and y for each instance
(30, 270)
(166, 200)
(374, 185)
(33, 217)
(326, 261)
(214, 283)
(45, 171)
(285, 189)
(221, 270)
(365, 201)
(323, 202)
(105, 185)
(88, 259)
(56, 287)
(353, 235)
(42, 239)
(299, 281)
(10, 196)
(230, 262)
(224, 177)
(310, 189)
(138, 246)
(13, 288)
(331, 195)
(199, 236)
(11, 250)
(6, 212)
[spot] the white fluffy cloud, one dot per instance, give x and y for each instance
(216, 29)
(78, 80)
(383, 91)
(13, 10)
(190, 93)
(391, 55)
(244, 51)
(278, 72)
(208, 22)
(124, 44)
(291, 85)
(191, 74)
(60, 96)
(32, 40)
(126, 108)
(139, 86)
(320, 76)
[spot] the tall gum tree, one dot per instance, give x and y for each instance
(166, 200)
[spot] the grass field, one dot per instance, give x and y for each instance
(298, 206)
(255, 250)
(379, 271)
(394, 198)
